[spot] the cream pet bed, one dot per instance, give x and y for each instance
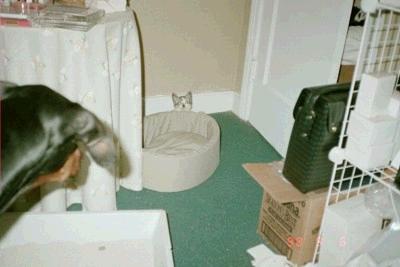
(181, 150)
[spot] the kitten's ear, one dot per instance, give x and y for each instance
(175, 98)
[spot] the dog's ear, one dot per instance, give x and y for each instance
(82, 124)
(4, 93)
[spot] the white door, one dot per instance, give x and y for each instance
(291, 45)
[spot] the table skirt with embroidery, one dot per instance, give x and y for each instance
(101, 70)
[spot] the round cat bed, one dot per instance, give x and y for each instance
(181, 150)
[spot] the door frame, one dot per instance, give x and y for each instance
(250, 60)
(249, 68)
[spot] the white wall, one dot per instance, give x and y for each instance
(195, 45)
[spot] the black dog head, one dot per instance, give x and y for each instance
(89, 131)
(39, 130)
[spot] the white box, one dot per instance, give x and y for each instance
(394, 109)
(123, 238)
(394, 105)
(347, 226)
(374, 94)
(110, 6)
(371, 131)
(394, 3)
(368, 157)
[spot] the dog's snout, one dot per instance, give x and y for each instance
(103, 151)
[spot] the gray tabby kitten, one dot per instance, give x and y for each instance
(182, 102)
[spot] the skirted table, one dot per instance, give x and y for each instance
(101, 70)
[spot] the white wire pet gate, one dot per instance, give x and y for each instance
(379, 52)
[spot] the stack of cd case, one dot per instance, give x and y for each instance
(18, 13)
(68, 17)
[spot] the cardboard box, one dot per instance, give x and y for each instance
(289, 219)
(346, 73)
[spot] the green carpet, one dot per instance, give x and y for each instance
(213, 224)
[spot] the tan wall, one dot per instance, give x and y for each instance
(196, 45)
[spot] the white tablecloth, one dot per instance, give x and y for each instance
(101, 69)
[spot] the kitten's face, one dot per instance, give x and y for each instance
(182, 102)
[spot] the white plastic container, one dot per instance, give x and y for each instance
(374, 94)
(372, 131)
(123, 238)
(348, 226)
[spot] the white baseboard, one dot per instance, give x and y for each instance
(210, 102)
